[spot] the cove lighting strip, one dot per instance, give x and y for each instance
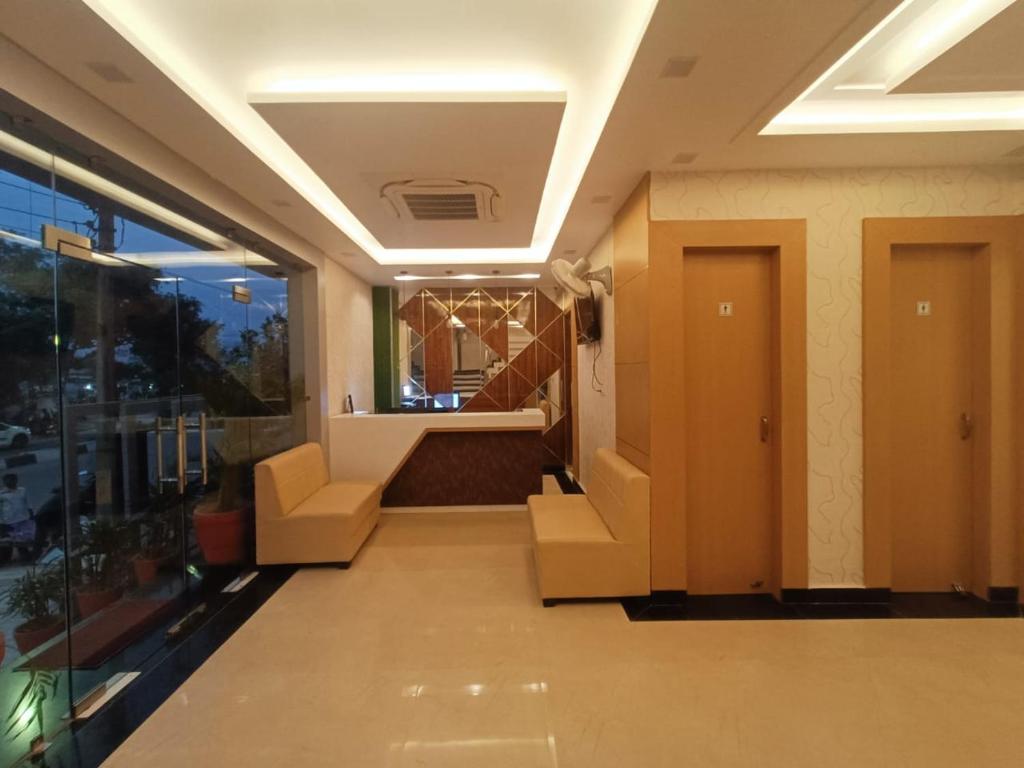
(573, 148)
(522, 276)
(856, 94)
(228, 250)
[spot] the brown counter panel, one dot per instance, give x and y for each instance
(467, 468)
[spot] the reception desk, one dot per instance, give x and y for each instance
(441, 459)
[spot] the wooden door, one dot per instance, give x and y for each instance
(729, 418)
(932, 319)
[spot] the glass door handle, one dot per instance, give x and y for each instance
(161, 464)
(202, 448)
(159, 453)
(181, 453)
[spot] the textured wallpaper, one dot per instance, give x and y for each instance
(834, 202)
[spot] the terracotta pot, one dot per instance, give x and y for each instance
(30, 636)
(92, 601)
(221, 535)
(146, 569)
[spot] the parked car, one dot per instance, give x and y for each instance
(13, 437)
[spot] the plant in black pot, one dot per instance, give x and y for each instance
(156, 539)
(36, 597)
(100, 569)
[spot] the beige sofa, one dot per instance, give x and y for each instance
(598, 545)
(302, 517)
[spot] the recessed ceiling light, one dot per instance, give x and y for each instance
(684, 158)
(601, 199)
(678, 66)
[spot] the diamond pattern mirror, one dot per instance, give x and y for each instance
(486, 349)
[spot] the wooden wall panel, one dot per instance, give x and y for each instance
(631, 244)
(457, 468)
(1018, 387)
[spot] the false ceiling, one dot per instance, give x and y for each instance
(869, 89)
(989, 59)
(707, 117)
(226, 52)
(366, 151)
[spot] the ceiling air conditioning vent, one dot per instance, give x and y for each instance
(441, 200)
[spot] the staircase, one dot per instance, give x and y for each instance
(467, 383)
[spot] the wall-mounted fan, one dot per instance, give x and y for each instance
(576, 278)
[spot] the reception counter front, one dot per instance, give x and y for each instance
(441, 459)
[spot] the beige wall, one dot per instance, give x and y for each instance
(835, 202)
(595, 372)
(348, 312)
(631, 260)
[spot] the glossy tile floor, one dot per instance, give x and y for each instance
(433, 650)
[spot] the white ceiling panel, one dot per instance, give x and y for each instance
(360, 147)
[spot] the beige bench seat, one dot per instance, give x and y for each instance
(597, 545)
(301, 517)
(567, 518)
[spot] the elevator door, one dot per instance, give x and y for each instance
(729, 420)
(932, 421)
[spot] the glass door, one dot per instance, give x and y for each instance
(139, 387)
(122, 454)
(34, 686)
(216, 401)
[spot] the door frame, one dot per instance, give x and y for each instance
(993, 555)
(786, 239)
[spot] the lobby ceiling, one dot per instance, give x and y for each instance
(705, 80)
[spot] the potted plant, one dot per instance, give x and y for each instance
(37, 598)
(156, 541)
(100, 569)
(220, 518)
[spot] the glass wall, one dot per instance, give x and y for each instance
(142, 381)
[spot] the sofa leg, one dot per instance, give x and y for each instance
(547, 602)
(344, 565)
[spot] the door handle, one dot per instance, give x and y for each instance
(202, 447)
(180, 422)
(966, 426)
(161, 462)
(159, 453)
(765, 429)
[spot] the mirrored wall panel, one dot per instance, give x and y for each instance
(486, 349)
